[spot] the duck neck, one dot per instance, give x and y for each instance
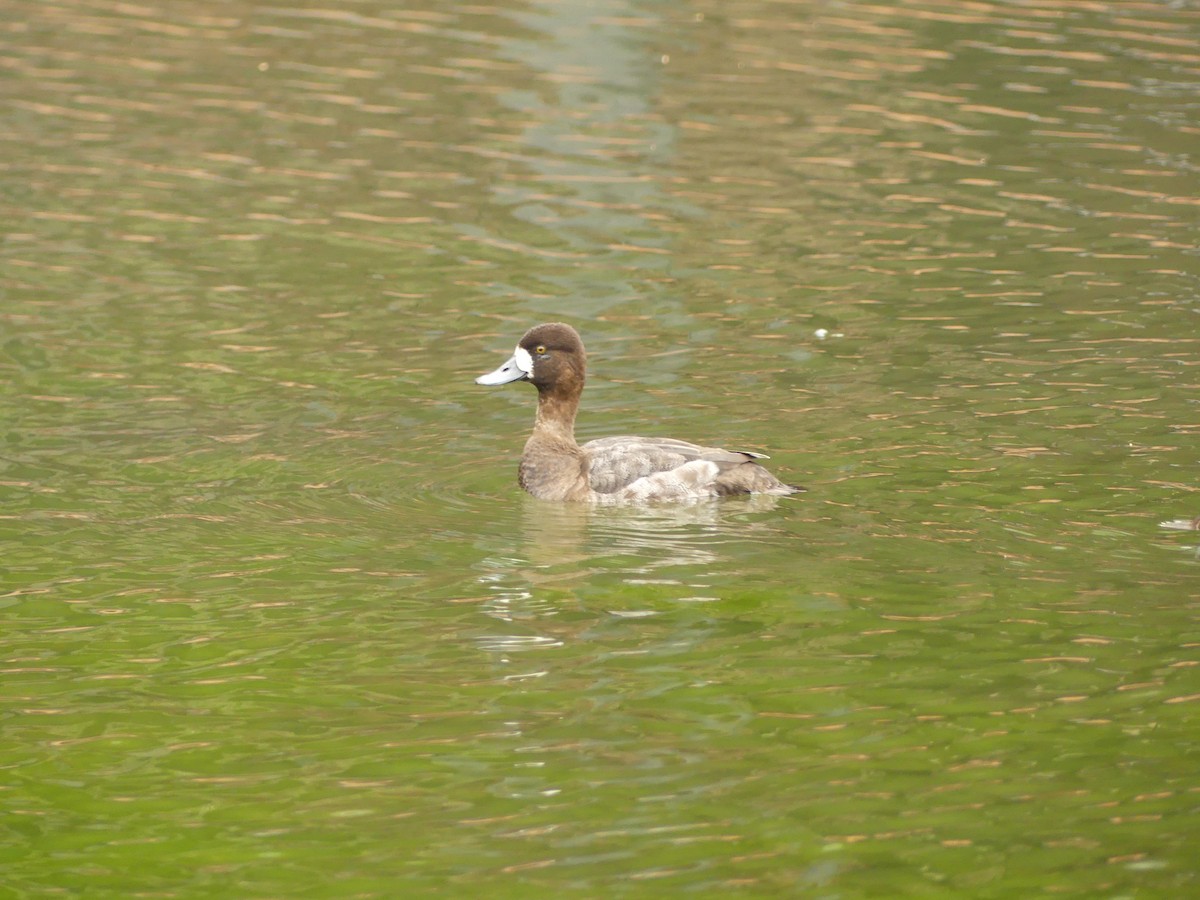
(555, 422)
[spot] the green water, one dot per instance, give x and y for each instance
(277, 619)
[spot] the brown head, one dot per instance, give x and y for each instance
(551, 356)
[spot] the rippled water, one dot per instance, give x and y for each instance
(280, 623)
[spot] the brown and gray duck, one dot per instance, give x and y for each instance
(623, 469)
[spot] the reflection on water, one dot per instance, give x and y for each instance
(677, 545)
(653, 536)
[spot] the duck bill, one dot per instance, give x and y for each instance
(509, 372)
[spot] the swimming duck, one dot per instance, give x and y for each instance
(613, 469)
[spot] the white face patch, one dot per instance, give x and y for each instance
(518, 366)
(523, 360)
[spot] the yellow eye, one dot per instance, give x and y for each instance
(539, 349)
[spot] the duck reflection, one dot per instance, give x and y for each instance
(571, 548)
(677, 534)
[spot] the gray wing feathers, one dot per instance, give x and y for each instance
(616, 462)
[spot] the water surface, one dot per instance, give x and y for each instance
(279, 621)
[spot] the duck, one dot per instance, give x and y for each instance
(622, 469)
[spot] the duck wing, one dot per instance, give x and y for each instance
(614, 463)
